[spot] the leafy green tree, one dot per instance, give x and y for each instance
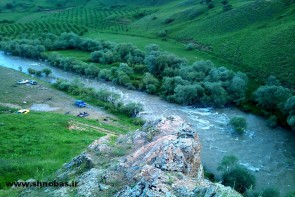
(31, 71)
(239, 178)
(169, 84)
(271, 97)
(126, 69)
(39, 73)
(47, 71)
(123, 78)
(239, 124)
(235, 175)
(105, 74)
(96, 56)
(237, 89)
(151, 83)
(188, 94)
(215, 95)
(157, 62)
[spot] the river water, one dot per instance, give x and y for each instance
(268, 153)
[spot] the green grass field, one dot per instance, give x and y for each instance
(36, 144)
(30, 149)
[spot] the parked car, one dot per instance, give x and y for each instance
(80, 103)
(33, 82)
(82, 115)
(23, 81)
(23, 111)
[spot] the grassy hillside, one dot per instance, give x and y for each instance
(255, 37)
(33, 150)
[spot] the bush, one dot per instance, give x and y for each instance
(239, 178)
(39, 73)
(271, 97)
(131, 109)
(31, 71)
(270, 192)
(188, 94)
(237, 89)
(46, 71)
(239, 124)
(215, 95)
(235, 175)
(190, 46)
(151, 83)
(163, 34)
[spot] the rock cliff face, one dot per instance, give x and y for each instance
(161, 159)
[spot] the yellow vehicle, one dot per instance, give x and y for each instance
(23, 111)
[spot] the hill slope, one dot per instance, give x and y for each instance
(255, 37)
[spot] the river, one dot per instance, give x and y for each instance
(268, 153)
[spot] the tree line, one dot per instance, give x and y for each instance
(157, 72)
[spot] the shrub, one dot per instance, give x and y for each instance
(31, 71)
(169, 84)
(151, 83)
(157, 62)
(39, 73)
(138, 121)
(239, 178)
(271, 97)
(163, 34)
(239, 124)
(227, 163)
(270, 192)
(96, 56)
(46, 71)
(235, 175)
(188, 94)
(190, 46)
(131, 109)
(237, 89)
(215, 95)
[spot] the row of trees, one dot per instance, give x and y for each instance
(163, 73)
(24, 48)
(200, 83)
(111, 101)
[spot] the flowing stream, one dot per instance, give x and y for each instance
(268, 153)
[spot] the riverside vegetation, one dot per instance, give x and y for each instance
(159, 72)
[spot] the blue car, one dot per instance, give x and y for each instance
(80, 103)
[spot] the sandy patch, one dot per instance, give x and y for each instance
(43, 107)
(10, 105)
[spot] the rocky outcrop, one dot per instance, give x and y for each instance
(161, 159)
